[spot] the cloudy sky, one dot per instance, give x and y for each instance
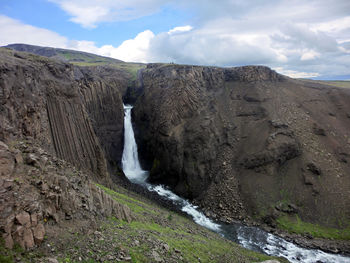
(299, 38)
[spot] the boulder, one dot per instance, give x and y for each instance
(33, 160)
(28, 239)
(313, 169)
(7, 162)
(18, 234)
(318, 130)
(8, 241)
(34, 219)
(23, 219)
(39, 233)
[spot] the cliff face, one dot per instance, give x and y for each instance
(247, 141)
(59, 105)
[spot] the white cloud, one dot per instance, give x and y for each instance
(132, 50)
(180, 29)
(87, 16)
(296, 74)
(309, 55)
(13, 31)
(304, 38)
(333, 26)
(205, 47)
(89, 13)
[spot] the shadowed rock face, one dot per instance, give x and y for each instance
(239, 141)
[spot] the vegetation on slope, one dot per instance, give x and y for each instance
(155, 235)
(296, 226)
(339, 83)
(334, 83)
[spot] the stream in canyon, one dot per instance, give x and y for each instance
(252, 238)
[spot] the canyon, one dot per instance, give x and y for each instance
(243, 143)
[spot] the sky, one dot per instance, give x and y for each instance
(298, 38)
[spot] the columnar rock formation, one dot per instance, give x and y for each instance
(102, 89)
(76, 113)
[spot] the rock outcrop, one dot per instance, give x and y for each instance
(37, 195)
(239, 141)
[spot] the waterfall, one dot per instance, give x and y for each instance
(130, 160)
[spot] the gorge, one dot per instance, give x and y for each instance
(243, 144)
(249, 237)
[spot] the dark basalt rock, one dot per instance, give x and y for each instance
(318, 130)
(280, 155)
(251, 74)
(314, 169)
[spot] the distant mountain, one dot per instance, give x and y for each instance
(66, 55)
(78, 58)
(335, 83)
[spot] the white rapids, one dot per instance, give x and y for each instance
(249, 237)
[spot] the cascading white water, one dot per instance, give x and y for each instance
(249, 237)
(133, 171)
(130, 160)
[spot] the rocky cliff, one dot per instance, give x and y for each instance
(102, 90)
(247, 141)
(75, 112)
